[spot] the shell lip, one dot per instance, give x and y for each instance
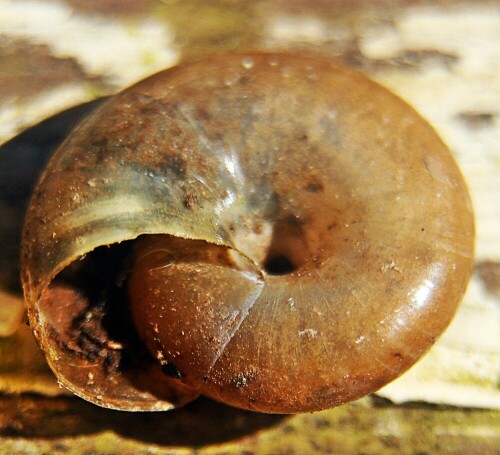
(91, 344)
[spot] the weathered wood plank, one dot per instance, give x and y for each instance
(443, 57)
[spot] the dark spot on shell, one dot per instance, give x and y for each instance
(243, 80)
(171, 370)
(315, 187)
(294, 221)
(258, 228)
(203, 115)
(218, 136)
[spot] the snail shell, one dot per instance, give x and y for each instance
(303, 238)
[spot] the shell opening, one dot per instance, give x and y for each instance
(87, 327)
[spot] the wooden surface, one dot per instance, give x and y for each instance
(442, 56)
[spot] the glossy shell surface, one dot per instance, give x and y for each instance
(319, 237)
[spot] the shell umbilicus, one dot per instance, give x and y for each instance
(268, 230)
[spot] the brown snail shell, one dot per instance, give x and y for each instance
(305, 238)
